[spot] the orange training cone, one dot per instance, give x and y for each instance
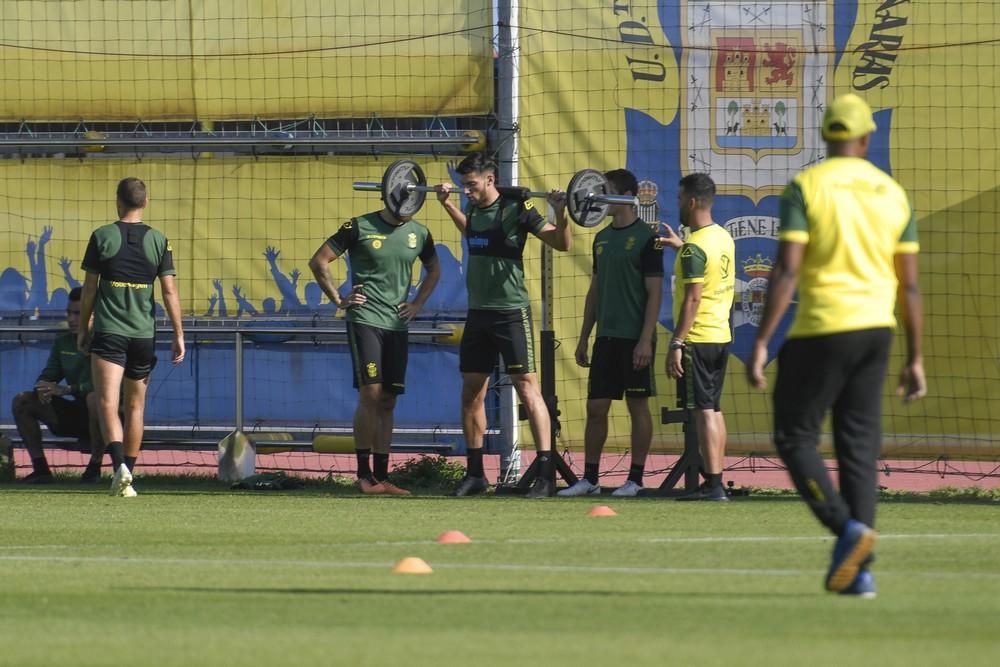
(601, 510)
(453, 537)
(412, 565)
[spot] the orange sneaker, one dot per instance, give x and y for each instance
(392, 489)
(369, 487)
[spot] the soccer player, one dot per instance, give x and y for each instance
(705, 284)
(624, 302)
(848, 239)
(382, 249)
(496, 228)
(48, 403)
(122, 261)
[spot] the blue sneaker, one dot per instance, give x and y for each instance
(852, 548)
(863, 586)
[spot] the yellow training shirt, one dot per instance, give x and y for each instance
(708, 256)
(853, 218)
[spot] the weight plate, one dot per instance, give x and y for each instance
(585, 211)
(400, 201)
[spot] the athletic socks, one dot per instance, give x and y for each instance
(116, 450)
(635, 473)
(381, 466)
(474, 463)
(40, 466)
(364, 469)
(713, 480)
(590, 471)
(545, 465)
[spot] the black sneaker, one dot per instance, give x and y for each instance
(38, 478)
(470, 486)
(542, 488)
(91, 475)
(716, 493)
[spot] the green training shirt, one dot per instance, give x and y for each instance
(623, 258)
(128, 257)
(382, 257)
(66, 362)
(496, 236)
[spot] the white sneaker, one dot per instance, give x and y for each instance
(129, 492)
(629, 488)
(120, 480)
(581, 488)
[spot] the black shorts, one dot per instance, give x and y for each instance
(378, 356)
(611, 372)
(136, 355)
(700, 388)
(489, 333)
(72, 418)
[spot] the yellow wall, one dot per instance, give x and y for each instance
(176, 59)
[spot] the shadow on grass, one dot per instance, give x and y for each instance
(344, 487)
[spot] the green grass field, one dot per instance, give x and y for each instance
(192, 574)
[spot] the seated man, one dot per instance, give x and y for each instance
(50, 403)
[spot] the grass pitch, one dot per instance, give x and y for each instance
(194, 574)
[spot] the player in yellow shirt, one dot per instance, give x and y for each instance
(705, 284)
(849, 241)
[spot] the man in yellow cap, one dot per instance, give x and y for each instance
(848, 239)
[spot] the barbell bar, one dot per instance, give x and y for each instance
(404, 189)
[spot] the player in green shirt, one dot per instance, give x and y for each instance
(122, 261)
(382, 249)
(498, 323)
(624, 302)
(48, 403)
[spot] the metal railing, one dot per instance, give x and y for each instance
(162, 435)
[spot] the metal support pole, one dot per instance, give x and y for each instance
(688, 465)
(504, 142)
(238, 392)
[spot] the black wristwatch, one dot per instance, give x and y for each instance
(676, 344)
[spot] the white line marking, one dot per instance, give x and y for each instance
(34, 546)
(821, 538)
(670, 539)
(510, 567)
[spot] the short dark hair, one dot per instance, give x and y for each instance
(132, 193)
(699, 186)
(76, 294)
(478, 162)
(623, 181)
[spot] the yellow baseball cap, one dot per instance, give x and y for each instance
(847, 117)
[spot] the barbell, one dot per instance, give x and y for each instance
(588, 198)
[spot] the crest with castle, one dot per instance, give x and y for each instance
(736, 80)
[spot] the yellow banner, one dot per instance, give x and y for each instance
(242, 230)
(178, 60)
(738, 90)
